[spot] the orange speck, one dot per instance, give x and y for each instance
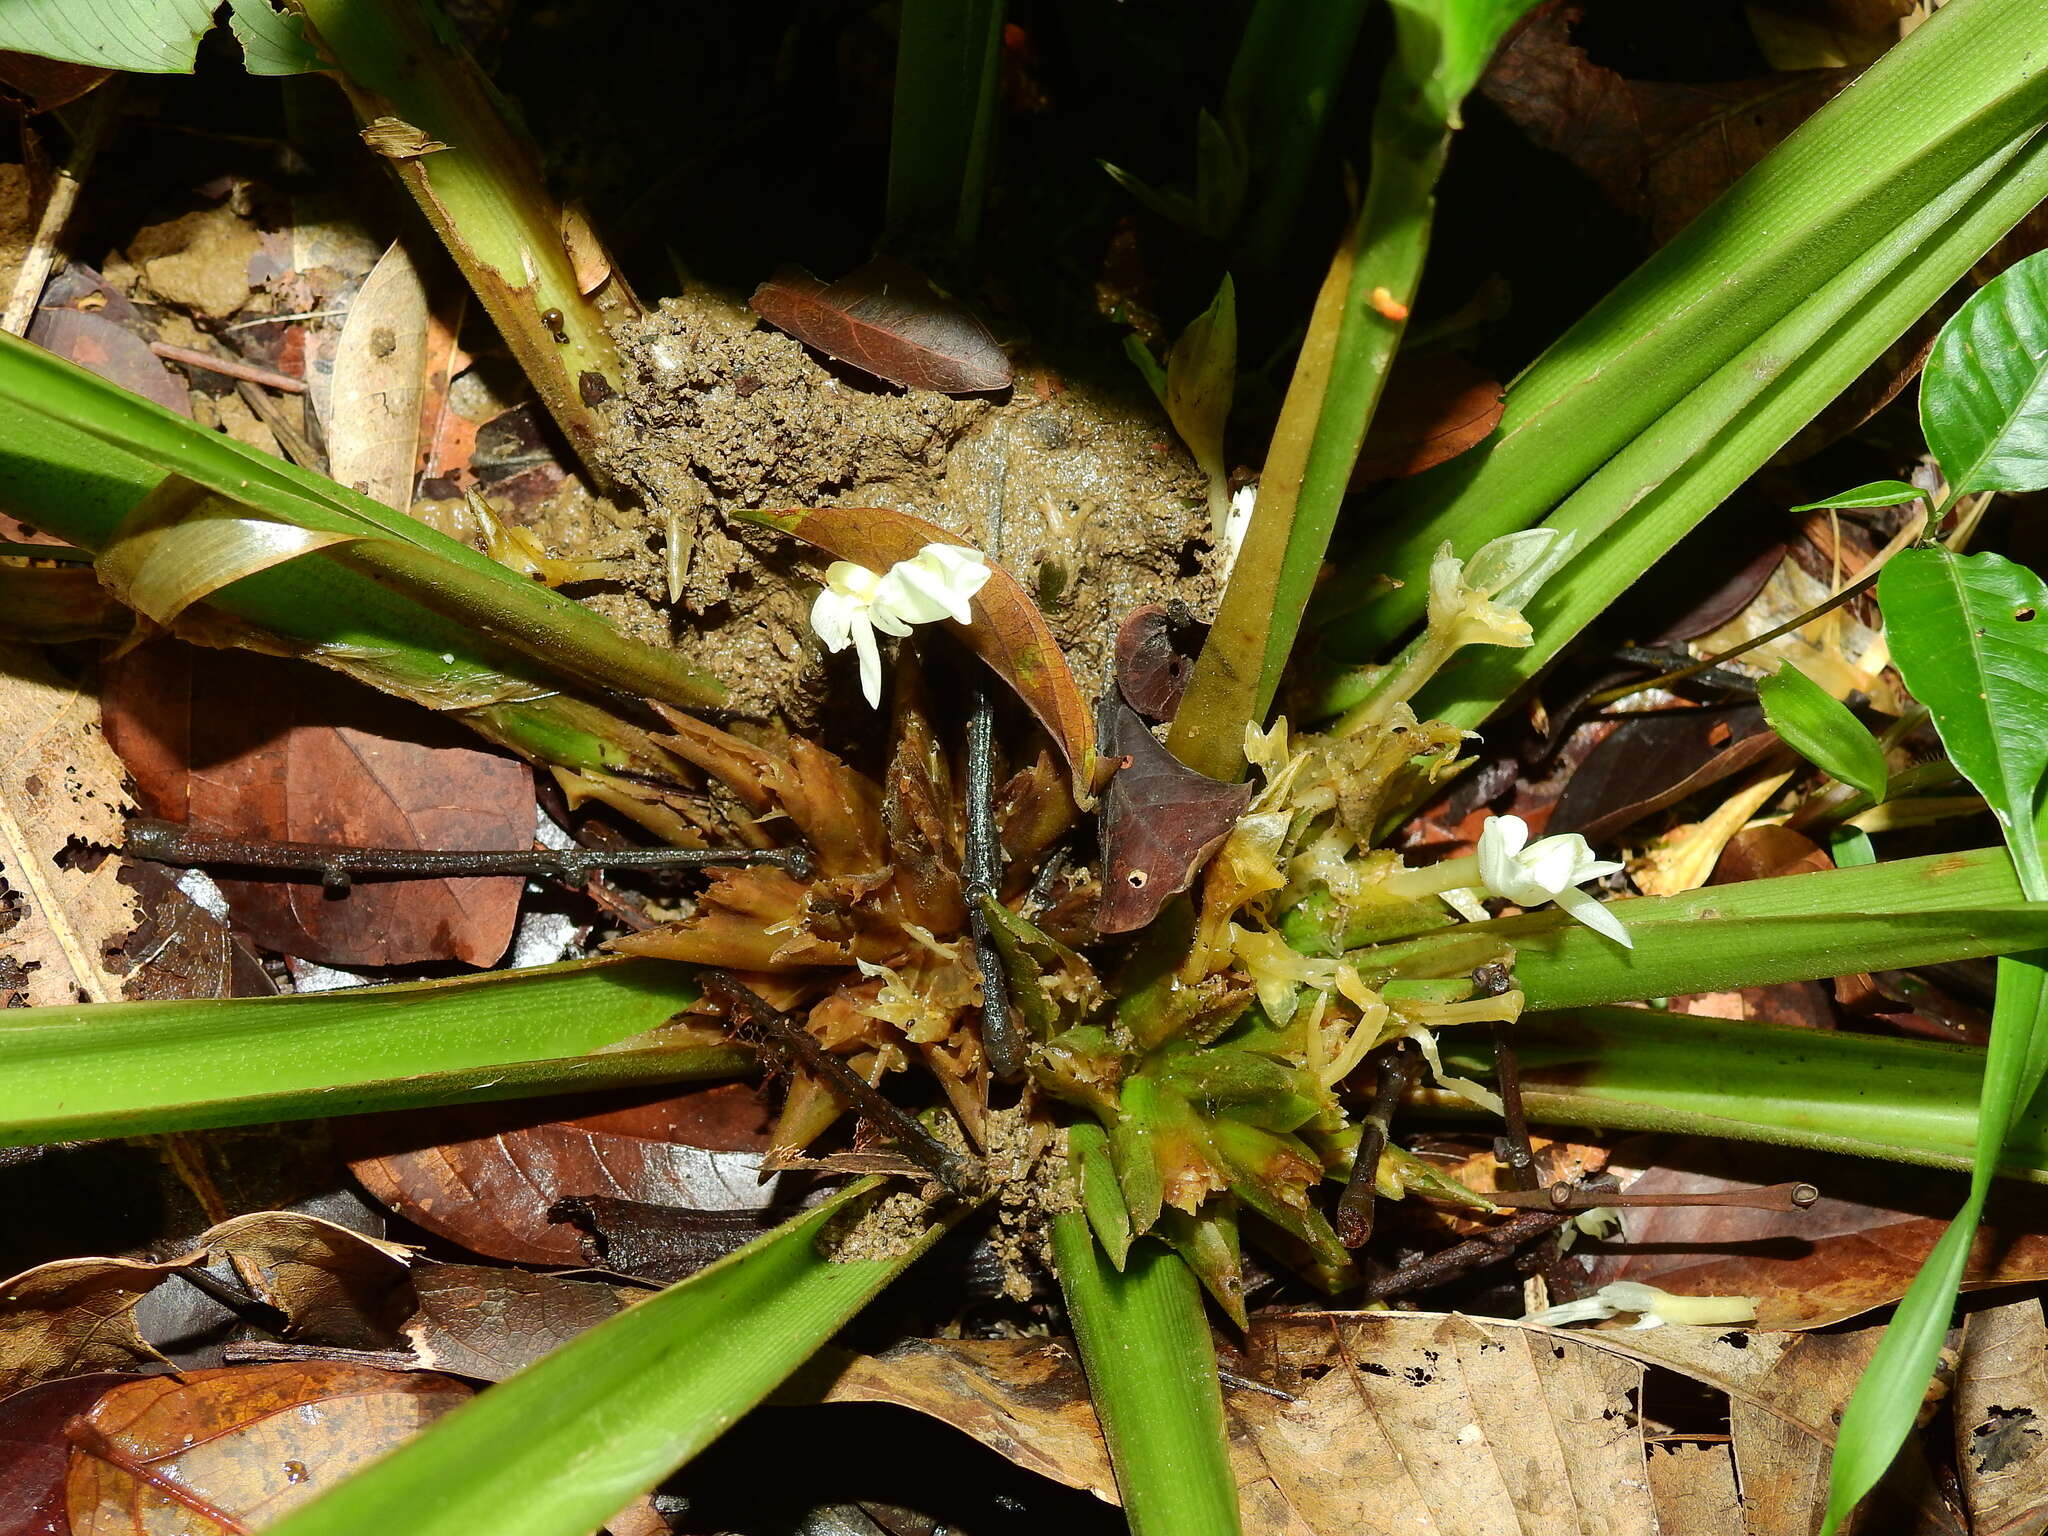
(1384, 301)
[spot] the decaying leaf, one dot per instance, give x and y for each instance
(1857, 1248)
(396, 139)
(1160, 821)
(1155, 657)
(380, 365)
(886, 320)
(96, 340)
(1008, 632)
(324, 760)
(1437, 406)
(34, 1452)
(487, 1323)
(488, 1176)
(172, 1453)
(336, 1287)
(61, 911)
(74, 1316)
(1656, 759)
(2001, 1414)
(1693, 1487)
(664, 1243)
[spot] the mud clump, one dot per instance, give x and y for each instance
(1100, 508)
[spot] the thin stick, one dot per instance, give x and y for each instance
(297, 447)
(34, 275)
(1355, 1207)
(228, 368)
(168, 842)
(1567, 1197)
(1461, 1258)
(982, 873)
(783, 1036)
(1518, 1166)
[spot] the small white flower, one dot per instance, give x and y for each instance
(1550, 869)
(938, 582)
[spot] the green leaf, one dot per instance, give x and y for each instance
(1152, 1373)
(560, 1447)
(1984, 391)
(273, 42)
(1821, 729)
(1887, 1400)
(1101, 1197)
(158, 37)
(1201, 378)
(1969, 634)
(1878, 493)
(119, 1069)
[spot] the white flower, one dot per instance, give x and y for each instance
(938, 582)
(1550, 869)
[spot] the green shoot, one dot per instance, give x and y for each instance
(1821, 729)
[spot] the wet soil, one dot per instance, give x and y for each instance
(1100, 509)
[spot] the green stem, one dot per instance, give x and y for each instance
(1152, 1373)
(483, 193)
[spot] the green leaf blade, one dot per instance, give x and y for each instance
(155, 37)
(557, 1449)
(1967, 634)
(1820, 728)
(1984, 392)
(1878, 493)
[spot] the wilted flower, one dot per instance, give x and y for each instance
(1653, 1307)
(1550, 869)
(938, 582)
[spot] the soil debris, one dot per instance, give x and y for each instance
(1100, 508)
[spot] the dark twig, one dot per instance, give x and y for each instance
(168, 842)
(256, 1313)
(783, 1037)
(1462, 1258)
(1355, 1207)
(982, 876)
(1568, 1197)
(228, 368)
(1518, 1162)
(253, 1351)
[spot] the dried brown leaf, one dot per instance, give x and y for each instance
(62, 910)
(1153, 663)
(249, 1442)
(2001, 1417)
(324, 760)
(1656, 759)
(1437, 406)
(116, 352)
(1160, 821)
(487, 1323)
(664, 1243)
(1008, 632)
(74, 1316)
(1693, 1487)
(888, 321)
(488, 1176)
(380, 367)
(336, 1286)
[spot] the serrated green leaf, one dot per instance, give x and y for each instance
(1878, 493)
(1820, 728)
(156, 37)
(1969, 634)
(273, 43)
(1984, 391)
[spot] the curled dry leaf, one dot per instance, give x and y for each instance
(1160, 822)
(74, 1316)
(1008, 632)
(337, 1287)
(248, 1443)
(887, 320)
(488, 1176)
(1856, 1249)
(1155, 656)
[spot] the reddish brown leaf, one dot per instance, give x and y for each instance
(1437, 406)
(886, 320)
(487, 1177)
(112, 351)
(1160, 822)
(260, 748)
(29, 84)
(1008, 632)
(1154, 662)
(247, 1443)
(336, 1286)
(1858, 1248)
(34, 1452)
(1656, 759)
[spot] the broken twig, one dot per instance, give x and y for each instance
(1569, 1197)
(1355, 1207)
(168, 842)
